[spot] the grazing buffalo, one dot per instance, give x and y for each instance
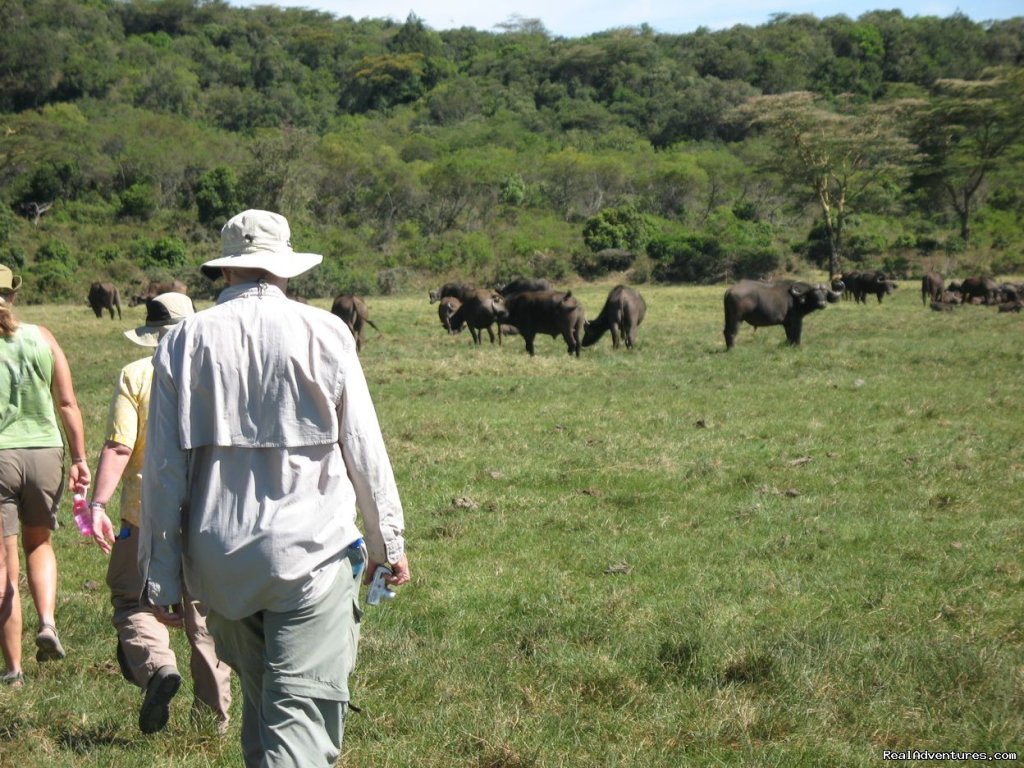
(777, 302)
(105, 296)
(155, 289)
(1010, 292)
(446, 311)
(984, 289)
(522, 285)
(460, 291)
(862, 284)
(480, 310)
(1011, 306)
(353, 311)
(932, 286)
(549, 312)
(623, 311)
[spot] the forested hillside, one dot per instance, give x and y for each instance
(132, 129)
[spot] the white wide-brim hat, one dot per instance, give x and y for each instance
(260, 240)
(162, 312)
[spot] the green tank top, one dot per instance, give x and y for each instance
(27, 417)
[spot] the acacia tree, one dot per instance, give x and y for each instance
(964, 132)
(839, 154)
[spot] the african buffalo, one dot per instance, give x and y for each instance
(984, 288)
(522, 285)
(777, 302)
(353, 311)
(480, 310)
(861, 284)
(1011, 306)
(623, 311)
(446, 310)
(932, 286)
(460, 291)
(155, 289)
(105, 296)
(549, 312)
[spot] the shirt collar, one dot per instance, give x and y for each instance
(246, 290)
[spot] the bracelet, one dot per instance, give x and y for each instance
(78, 461)
(99, 504)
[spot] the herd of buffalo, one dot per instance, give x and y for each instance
(528, 307)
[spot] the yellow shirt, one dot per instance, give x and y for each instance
(126, 424)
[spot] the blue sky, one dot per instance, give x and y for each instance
(577, 18)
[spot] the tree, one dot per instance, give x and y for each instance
(964, 132)
(217, 195)
(839, 156)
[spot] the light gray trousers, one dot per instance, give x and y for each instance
(294, 667)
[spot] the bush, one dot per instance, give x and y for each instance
(594, 265)
(167, 252)
(755, 263)
(688, 259)
(138, 201)
(50, 281)
(622, 228)
(217, 195)
(56, 251)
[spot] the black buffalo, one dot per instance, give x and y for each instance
(863, 284)
(623, 311)
(548, 312)
(353, 311)
(522, 285)
(479, 311)
(460, 291)
(446, 311)
(932, 286)
(155, 288)
(777, 302)
(984, 289)
(105, 296)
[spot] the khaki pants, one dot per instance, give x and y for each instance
(294, 668)
(145, 642)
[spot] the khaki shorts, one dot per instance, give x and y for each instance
(31, 487)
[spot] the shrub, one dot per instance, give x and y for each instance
(167, 252)
(217, 195)
(56, 251)
(621, 228)
(138, 201)
(50, 281)
(593, 265)
(688, 258)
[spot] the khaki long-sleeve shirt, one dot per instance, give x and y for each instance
(261, 420)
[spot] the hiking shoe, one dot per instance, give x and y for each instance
(156, 710)
(48, 647)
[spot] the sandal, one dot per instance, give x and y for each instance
(13, 679)
(48, 647)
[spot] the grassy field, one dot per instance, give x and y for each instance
(675, 556)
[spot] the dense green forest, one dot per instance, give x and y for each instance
(131, 129)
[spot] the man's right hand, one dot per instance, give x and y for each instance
(102, 530)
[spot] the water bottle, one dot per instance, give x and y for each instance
(83, 515)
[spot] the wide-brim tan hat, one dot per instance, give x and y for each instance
(9, 282)
(162, 312)
(260, 240)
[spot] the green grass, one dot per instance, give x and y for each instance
(675, 556)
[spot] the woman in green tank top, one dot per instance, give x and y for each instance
(35, 388)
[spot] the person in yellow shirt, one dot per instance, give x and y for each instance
(143, 647)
